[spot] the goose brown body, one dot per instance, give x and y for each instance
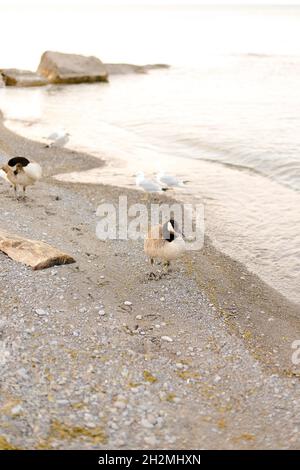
(164, 245)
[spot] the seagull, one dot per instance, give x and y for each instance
(148, 185)
(168, 180)
(19, 171)
(164, 242)
(59, 138)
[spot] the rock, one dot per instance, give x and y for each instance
(167, 338)
(34, 253)
(2, 84)
(71, 68)
(22, 78)
(150, 440)
(127, 303)
(124, 69)
(16, 410)
(146, 424)
(120, 404)
(41, 312)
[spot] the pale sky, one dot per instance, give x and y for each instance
(86, 3)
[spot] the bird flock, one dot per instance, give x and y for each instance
(163, 243)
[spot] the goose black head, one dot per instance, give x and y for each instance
(18, 161)
(170, 230)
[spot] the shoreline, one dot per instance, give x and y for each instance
(216, 305)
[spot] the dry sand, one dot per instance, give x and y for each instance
(199, 359)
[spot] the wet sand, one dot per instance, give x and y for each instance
(199, 359)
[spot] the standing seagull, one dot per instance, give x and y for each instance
(19, 171)
(168, 180)
(164, 242)
(148, 185)
(59, 139)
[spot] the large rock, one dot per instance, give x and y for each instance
(124, 69)
(22, 78)
(34, 253)
(71, 68)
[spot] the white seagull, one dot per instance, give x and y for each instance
(59, 138)
(168, 180)
(147, 185)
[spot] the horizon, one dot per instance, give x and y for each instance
(93, 28)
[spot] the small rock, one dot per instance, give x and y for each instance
(146, 424)
(167, 338)
(40, 312)
(120, 404)
(16, 410)
(179, 365)
(150, 440)
(139, 317)
(127, 303)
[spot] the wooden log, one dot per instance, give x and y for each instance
(37, 254)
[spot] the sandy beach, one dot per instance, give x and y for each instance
(95, 356)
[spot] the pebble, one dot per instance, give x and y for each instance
(139, 317)
(16, 410)
(150, 440)
(167, 338)
(152, 419)
(40, 312)
(127, 303)
(101, 313)
(120, 404)
(146, 424)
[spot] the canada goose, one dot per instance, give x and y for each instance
(168, 180)
(58, 139)
(164, 242)
(148, 185)
(19, 171)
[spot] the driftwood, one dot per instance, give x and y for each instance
(38, 255)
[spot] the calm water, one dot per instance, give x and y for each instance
(227, 121)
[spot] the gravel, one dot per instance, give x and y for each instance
(83, 369)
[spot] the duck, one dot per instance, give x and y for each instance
(165, 243)
(19, 171)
